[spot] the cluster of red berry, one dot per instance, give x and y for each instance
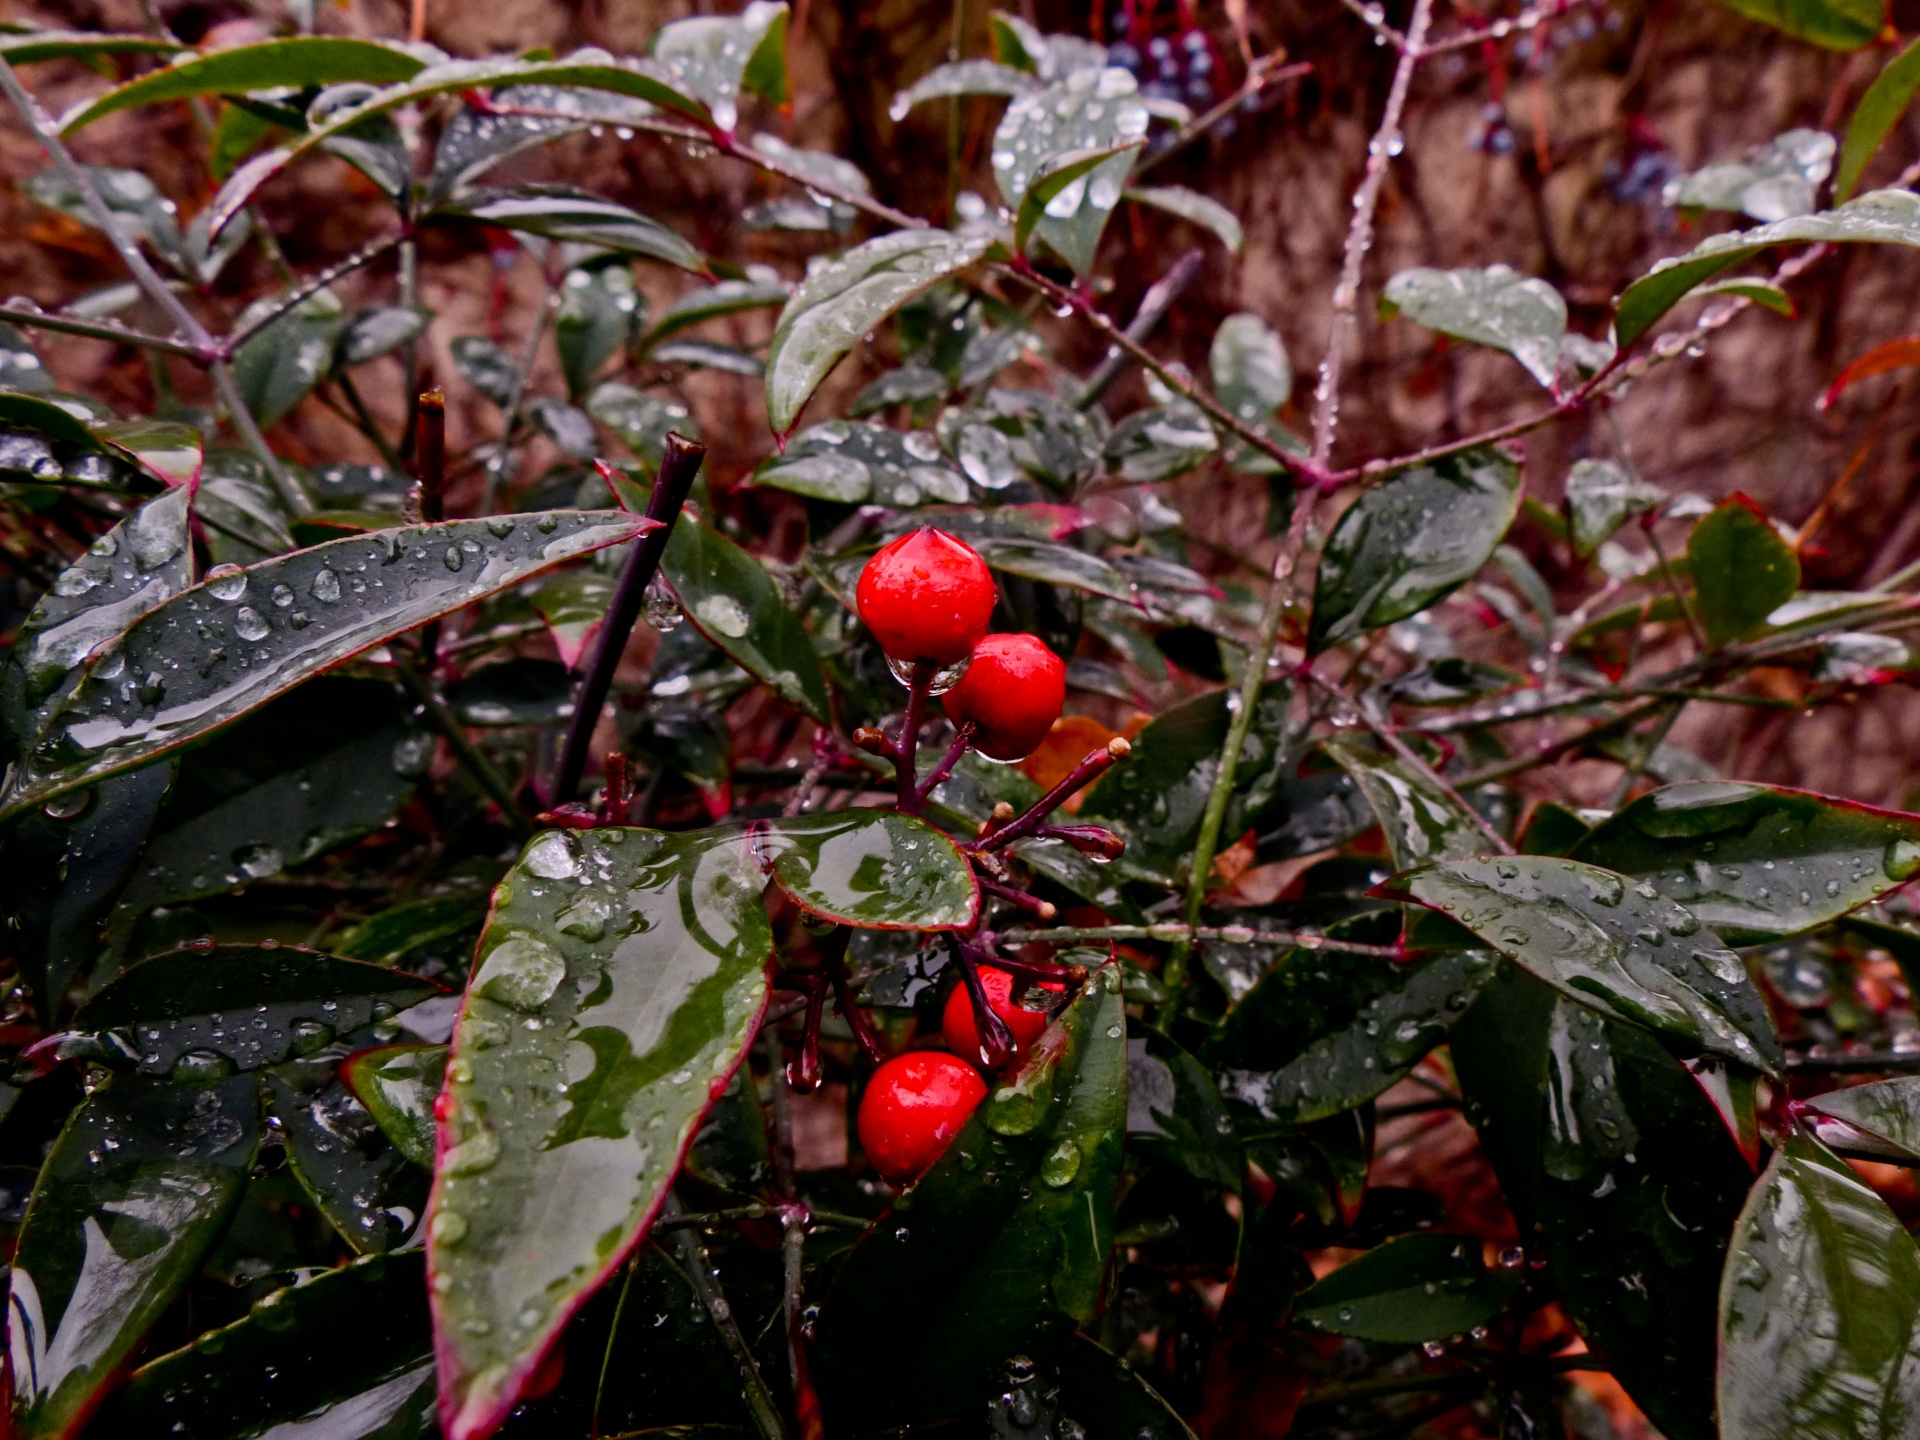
(928, 598)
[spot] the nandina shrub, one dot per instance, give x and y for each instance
(437, 1000)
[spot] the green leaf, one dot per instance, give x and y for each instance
(259, 633)
(637, 79)
(369, 334)
(1422, 822)
(1879, 109)
(1601, 497)
(1757, 862)
(175, 1014)
(392, 935)
(642, 422)
(1105, 1395)
(295, 62)
(728, 297)
(134, 203)
(844, 299)
(1087, 111)
(1889, 217)
(1002, 1248)
(737, 605)
(653, 974)
(1411, 541)
(1418, 1287)
(1834, 24)
(1818, 1308)
(1248, 362)
(1880, 1120)
(346, 1352)
(1175, 1113)
(315, 769)
(1161, 443)
(716, 58)
(475, 140)
(369, 1192)
(851, 463)
(279, 367)
(1193, 207)
(1323, 1032)
(961, 77)
(706, 355)
(1051, 182)
(575, 217)
(572, 603)
(1617, 946)
(1777, 182)
(397, 1084)
(30, 44)
(114, 1231)
(1055, 564)
(1742, 569)
(876, 869)
(1495, 306)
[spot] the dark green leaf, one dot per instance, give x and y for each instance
(728, 297)
(1415, 1288)
(1193, 207)
(397, 1083)
(1089, 111)
(1743, 570)
(845, 299)
(134, 203)
(1835, 24)
(1411, 541)
(1421, 821)
(1756, 862)
(475, 140)
(314, 609)
(1879, 109)
(730, 1152)
(961, 77)
(1055, 564)
(1248, 361)
(738, 606)
(1494, 306)
(597, 312)
(1890, 217)
(854, 463)
(1601, 497)
(29, 44)
(1175, 1113)
(653, 973)
(1613, 944)
(487, 367)
(1881, 1120)
(1106, 1396)
(1324, 1031)
(572, 430)
(344, 1354)
(521, 691)
(1002, 1248)
(1161, 443)
(372, 333)
(365, 1187)
(706, 355)
(391, 936)
(138, 1186)
(294, 62)
(717, 58)
(557, 212)
(171, 451)
(200, 1014)
(279, 367)
(1818, 1308)
(642, 422)
(876, 869)
(238, 504)
(1053, 184)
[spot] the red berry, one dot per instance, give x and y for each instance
(914, 1106)
(1013, 691)
(956, 1021)
(926, 597)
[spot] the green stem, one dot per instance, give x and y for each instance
(699, 1272)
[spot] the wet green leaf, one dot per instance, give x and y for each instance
(1411, 541)
(717, 58)
(1052, 185)
(728, 297)
(1776, 182)
(596, 319)
(1817, 1310)
(28, 44)
(486, 366)
(737, 605)
(202, 1014)
(730, 1152)
(1601, 497)
(1418, 1287)
(1495, 306)
(137, 1187)
(137, 208)
(961, 77)
(389, 937)
(1879, 109)
(1743, 570)
(1087, 111)
(1835, 24)
(1889, 217)
(475, 140)
(369, 334)
(211, 654)
(642, 422)
(397, 1083)
(1175, 1113)
(652, 976)
(876, 869)
(1002, 1248)
(838, 304)
(343, 1353)
(1055, 564)
(852, 463)
(706, 355)
(1608, 942)
(365, 1186)
(1324, 1031)
(296, 62)
(1252, 376)
(1757, 862)
(1161, 443)
(279, 367)
(1193, 207)
(1879, 1120)
(575, 217)
(1421, 821)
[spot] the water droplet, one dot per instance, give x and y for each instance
(226, 582)
(65, 807)
(201, 1067)
(552, 857)
(325, 587)
(258, 861)
(1060, 1165)
(282, 596)
(522, 972)
(448, 1228)
(310, 1035)
(723, 615)
(478, 1152)
(661, 609)
(250, 624)
(454, 559)
(70, 583)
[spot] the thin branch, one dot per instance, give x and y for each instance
(699, 1272)
(1225, 934)
(1153, 309)
(14, 313)
(478, 767)
(1265, 71)
(304, 292)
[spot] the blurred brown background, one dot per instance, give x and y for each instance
(1599, 106)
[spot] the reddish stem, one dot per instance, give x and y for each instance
(996, 1040)
(1082, 775)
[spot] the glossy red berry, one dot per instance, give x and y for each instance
(914, 1106)
(963, 1036)
(926, 597)
(1013, 691)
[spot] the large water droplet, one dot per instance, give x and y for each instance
(479, 1151)
(258, 861)
(661, 609)
(201, 1067)
(522, 972)
(227, 582)
(325, 587)
(1060, 1165)
(552, 857)
(448, 1228)
(1903, 859)
(723, 615)
(250, 624)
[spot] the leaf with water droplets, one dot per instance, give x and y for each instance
(136, 1189)
(1193, 207)
(280, 365)
(717, 58)
(1743, 569)
(397, 1084)
(1047, 190)
(1417, 1287)
(1055, 564)
(1248, 362)
(1091, 110)
(517, 118)
(1324, 1031)
(620, 975)
(575, 217)
(367, 1189)
(1175, 1114)
(1410, 541)
(1758, 862)
(344, 1352)
(1161, 443)
(215, 652)
(961, 77)
(1001, 1248)
(1834, 24)
(851, 463)
(1818, 1329)
(1601, 497)
(876, 869)
(1880, 1121)
(728, 297)
(737, 605)
(1615, 944)
(1779, 180)
(25, 46)
(836, 305)
(1494, 306)
(1422, 821)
